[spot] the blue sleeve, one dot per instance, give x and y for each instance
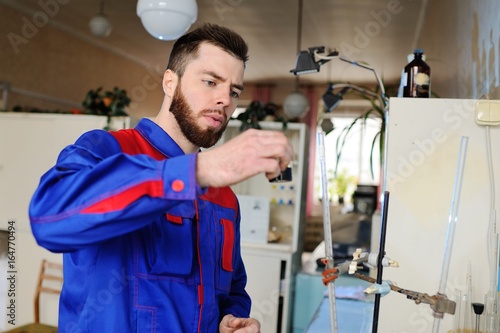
(95, 192)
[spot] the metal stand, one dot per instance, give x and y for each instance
(381, 254)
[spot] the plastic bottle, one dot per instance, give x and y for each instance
(417, 75)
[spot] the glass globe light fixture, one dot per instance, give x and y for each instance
(295, 105)
(167, 19)
(100, 26)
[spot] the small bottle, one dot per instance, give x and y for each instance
(418, 77)
(402, 81)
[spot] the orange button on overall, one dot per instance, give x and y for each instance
(177, 185)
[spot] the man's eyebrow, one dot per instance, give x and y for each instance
(220, 78)
(238, 86)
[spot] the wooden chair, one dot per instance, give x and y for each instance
(49, 281)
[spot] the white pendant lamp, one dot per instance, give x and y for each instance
(99, 24)
(295, 105)
(167, 19)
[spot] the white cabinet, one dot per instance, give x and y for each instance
(264, 286)
(29, 146)
(271, 267)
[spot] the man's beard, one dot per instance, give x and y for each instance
(186, 118)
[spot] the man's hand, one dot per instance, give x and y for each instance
(231, 324)
(250, 153)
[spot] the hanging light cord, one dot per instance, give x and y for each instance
(299, 26)
(101, 7)
(299, 38)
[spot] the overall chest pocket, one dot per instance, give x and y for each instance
(227, 240)
(171, 246)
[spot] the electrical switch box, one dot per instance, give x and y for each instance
(488, 112)
(254, 223)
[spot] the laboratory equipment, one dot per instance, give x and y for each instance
(478, 310)
(417, 77)
(452, 222)
(284, 176)
(327, 230)
(439, 303)
(487, 114)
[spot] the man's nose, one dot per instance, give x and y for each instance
(223, 97)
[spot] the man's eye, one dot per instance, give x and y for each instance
(235, 94)
(210, 83)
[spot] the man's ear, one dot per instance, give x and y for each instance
(170, 81)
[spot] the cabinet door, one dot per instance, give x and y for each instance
(264, 278)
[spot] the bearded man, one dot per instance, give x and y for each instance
(147, 223)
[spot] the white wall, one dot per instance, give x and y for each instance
(29, 146)
(462, 44)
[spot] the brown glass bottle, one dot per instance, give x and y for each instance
(418, 77)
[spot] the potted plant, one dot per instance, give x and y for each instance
(258, 111)
(106, 103)
(343, 183)
(375, 111)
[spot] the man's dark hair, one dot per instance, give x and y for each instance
(186, 47)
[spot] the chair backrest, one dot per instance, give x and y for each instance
(49, 281)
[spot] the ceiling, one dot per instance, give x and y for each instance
(378, 32)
